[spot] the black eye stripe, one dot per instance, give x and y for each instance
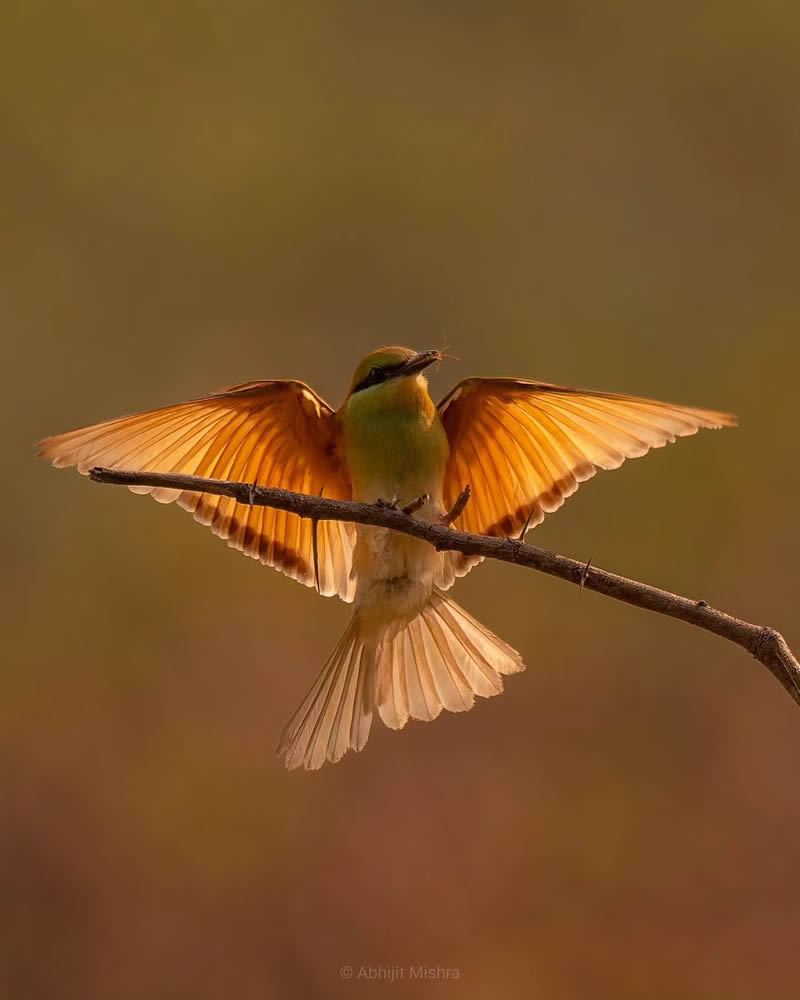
(378, 374)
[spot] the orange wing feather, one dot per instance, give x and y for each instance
(276, 433)
(524, 447)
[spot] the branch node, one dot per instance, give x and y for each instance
(766, 641)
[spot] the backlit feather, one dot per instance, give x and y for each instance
(276, 433)
(524, 447)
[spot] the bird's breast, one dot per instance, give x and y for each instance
(396, 456)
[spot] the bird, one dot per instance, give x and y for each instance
(409, 650)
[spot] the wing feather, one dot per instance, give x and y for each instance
(276, 433)
(524, 447)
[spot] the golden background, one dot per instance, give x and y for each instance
(603, 195)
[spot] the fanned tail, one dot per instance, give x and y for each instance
(440, 659)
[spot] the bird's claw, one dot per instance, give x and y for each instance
(410, 508)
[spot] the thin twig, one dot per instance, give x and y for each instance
(764, 643)
(526, 525)
(457, 509)
(585, 573)
(315, 546)
(415, 505)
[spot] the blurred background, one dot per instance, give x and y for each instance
(603, 195)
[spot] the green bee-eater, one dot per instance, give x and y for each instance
(409, 650)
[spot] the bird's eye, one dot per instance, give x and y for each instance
(374, 376)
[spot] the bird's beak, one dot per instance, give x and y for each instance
(418, 363)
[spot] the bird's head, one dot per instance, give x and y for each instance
(390, 365)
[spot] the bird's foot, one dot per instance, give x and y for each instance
(388, 504)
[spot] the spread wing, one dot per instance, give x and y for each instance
(525, 446)
(276, 433)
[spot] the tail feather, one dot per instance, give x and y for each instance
(336, 714)
(439, 660)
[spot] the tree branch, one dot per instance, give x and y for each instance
(764, 643)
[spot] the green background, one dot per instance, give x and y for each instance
(602, 195)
